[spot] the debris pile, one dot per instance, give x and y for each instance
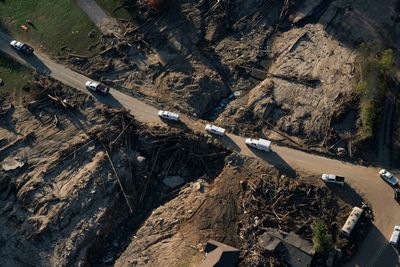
(67, 186)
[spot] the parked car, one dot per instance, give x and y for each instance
(388, 177)
(215, 130)
(332, 178)
(168, 115)
(395, 238)
(97, 87)
(24, 48)
(260, 144)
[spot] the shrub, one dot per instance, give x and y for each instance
(377, 68)
(322, 239)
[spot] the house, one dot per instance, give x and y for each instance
(292, 248)
(219, 255)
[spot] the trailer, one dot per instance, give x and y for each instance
(351, 221)
(260, 144)
(215, 130)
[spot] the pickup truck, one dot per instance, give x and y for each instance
(332, 178)
(260, 144)
(24, 48)
(97, 87)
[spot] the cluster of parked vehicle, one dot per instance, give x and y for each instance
(387, 177)
(260, 144)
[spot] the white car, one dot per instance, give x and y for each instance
(24, 48)
(260, 144)
(97, 87)
(395, 238)
(215, 130)
(388, 177)
(168, 115)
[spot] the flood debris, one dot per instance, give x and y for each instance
(13, 163)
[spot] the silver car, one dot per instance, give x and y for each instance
(388, 177)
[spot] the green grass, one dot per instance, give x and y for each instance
(110, 5)
(57, 23)
(14, 75)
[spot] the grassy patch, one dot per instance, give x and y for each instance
(376, 70)
(56, 23)
(110, 7)
(14, 75)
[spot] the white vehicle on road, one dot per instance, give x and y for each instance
(332, 178)
(97, 87)
(260, 144)
(388, 177)
(215, 130)
(24, 48)
(168, 115)
(395, 238)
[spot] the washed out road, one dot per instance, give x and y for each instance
(374, 251)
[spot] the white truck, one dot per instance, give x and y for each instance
(97, 87)
(332, 178)
(395, 238)
(260, 144)
(215, 130)
(168, 115)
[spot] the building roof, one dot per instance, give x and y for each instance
(219, 255)
(296, 251)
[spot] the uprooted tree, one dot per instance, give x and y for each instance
(322, 239)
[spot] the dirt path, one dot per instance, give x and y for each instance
(104, 22)
(385, 132)
(363, 179)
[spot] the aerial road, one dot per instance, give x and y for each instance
(374, 251)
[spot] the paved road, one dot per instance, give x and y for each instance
(375, 251)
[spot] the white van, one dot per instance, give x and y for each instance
(168, 115)
(260, 144)
(394, 239)
(215, 130)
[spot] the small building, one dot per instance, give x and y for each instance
(292, 248)
(351, 221)
(219, 255)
